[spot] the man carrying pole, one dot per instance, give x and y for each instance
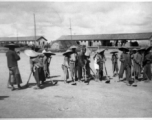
(46, 62)
(137, 66)
(99, 61)
(36, 66)
(125, 65)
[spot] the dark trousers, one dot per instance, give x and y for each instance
(39, 75)
(99, 73)
(128, 72)
(14, 76)
(79, 72)
(147, 71)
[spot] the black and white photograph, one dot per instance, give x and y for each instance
(75, 59)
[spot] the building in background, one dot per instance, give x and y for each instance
(104, 40)
(39, 41)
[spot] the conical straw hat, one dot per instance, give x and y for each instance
(31, 53)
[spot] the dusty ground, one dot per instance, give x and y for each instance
(66, 101)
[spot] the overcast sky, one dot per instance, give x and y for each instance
(53, 18)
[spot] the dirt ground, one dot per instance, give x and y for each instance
(96, 100)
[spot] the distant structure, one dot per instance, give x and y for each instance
(111, 40)
(28, 40)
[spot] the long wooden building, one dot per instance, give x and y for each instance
(27, 40)
(111, 40)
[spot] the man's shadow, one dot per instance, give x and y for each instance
(48, 83)
(3, 97)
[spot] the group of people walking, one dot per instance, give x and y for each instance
(76, 65)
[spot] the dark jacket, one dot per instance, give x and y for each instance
(81, 59)
(125, 60)
(12, 58)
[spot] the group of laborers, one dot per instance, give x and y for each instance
(135, 62)
(76, 65)
(39, 64)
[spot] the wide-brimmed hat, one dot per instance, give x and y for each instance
(11, 45)
(142, 49)
(31, 53)
(73, 47)
(134, 49)
(48, 53)
(123, 49)
(67, 52)
(113, 52)
(100, 50)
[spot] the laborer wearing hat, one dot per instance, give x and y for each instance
(81, 63)
(46, 62)
(137, 66)
(36, 63)
(73, 63)
(125, 65)
(147, 64)
(132, 54)
(114, 59)
(99, 61)
(87, 66)
(65, 65)
(12, 59)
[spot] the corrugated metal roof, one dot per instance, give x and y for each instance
(126, 36)
(26, 38)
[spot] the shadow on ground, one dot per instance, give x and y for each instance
(3, 97)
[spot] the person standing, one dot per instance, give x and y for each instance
(137, 66)
(114, 60)
(99, 61)
(81, 63)
(65, 65)
(87, 74)
(132, 54)
(36, 65)
(137, 63)
(12, 63)
(73, 64)
(147, 66)
(46, 62)
(74, 55)
(125, 65)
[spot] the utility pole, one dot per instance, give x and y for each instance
(34, 29)
(70, 29)
(17, 36)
